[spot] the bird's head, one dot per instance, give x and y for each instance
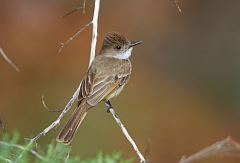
(117, 46)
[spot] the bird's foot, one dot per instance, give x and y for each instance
(109, 105)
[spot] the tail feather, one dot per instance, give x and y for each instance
(69, 130)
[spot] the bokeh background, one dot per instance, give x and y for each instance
(184, 90)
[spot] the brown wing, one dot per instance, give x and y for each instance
(86, 86)
(96, 86)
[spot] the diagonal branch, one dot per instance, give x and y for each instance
(71, 12)
(83, 7)
(75, 95)
(57, 121)
(124, 131)
(46, 107)
(177, 2)
(224, 147)
(94, 23)
(3, 54)
(70, 39)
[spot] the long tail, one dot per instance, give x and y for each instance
(69, 130)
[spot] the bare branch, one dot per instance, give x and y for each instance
(57, 121)
(75, 95)
(176, 2)
(23, 148)
(147, 150)
(94, 22)
(224, 147)
(49, 110)
(94, 31)
(84, 6)
(71, 12)
(62, 45)
(8, 60)
(124, 131)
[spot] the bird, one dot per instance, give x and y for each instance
(105, 79)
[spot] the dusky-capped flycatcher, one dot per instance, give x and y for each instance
(105, 79)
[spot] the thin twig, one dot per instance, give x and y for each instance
(84, 6)
(94, 22)
(176, 2)
(71, 12)
(124, 131)
(8, 60)
(46, 107)
(75, 95)
(224, 147)
(63, 44)
(147, 150)
(57, 121)
(94, 31)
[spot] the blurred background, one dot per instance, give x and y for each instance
(184, 90)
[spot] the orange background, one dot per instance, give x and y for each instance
(183, 94)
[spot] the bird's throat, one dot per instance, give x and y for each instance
(124, 55)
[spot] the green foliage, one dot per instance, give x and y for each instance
(12, 151)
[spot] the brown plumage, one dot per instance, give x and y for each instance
(104, 80)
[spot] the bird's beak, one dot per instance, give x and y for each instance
(134, 43)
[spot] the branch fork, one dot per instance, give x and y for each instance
(94, 23)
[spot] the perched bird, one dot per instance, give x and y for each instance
(105, 79)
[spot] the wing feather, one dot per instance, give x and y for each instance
(97, 85)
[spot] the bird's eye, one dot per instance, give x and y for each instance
(118, 47)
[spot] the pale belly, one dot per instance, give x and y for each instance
(115, 93)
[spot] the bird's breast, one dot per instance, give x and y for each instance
(115, 92)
